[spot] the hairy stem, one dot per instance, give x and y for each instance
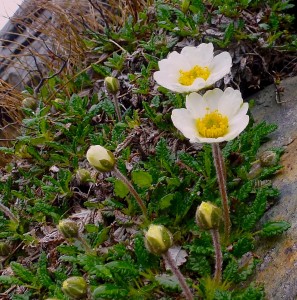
(187, 292)
(218, 255)
(221, 175)
(123, 178)
(117, 107)
(85, 244)
(8, 213)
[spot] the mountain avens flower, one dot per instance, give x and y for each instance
(68, 228)
(75, 287)
(193, 69)
(158, 239)
(208, 216)
(100, 158)
(215, 117)
(112, 84)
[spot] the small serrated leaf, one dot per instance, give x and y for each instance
(168, 282)
(165, 201)
(21, 272)
(109, 291)
(274, 228)
(142, 179)
(120, 189)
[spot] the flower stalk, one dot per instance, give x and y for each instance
(218, 254)
(221, 175)
(171, 263)
(123, 178)
(112, 85)
(117, 107)
(8, 213)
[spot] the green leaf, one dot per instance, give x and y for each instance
(102, 70)
(42, 273)
(9, 280)
(142, 179)
(243, 245)
(165, 201)
(168, 282)
(120, 189)
(23, 273)
(109, 291)
(123, 269)
(274, 228)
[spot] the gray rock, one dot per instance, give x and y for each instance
(278, 269)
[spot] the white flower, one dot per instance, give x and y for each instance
(193, 69)
(216, 116)
(100, 158)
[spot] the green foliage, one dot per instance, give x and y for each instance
(273, 228)
(40, 186)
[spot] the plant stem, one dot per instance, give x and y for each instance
(221, 175)
(187, 292)
(86, 245)
(117, 107)
(8, 213)
(123, 178)
(218, 254)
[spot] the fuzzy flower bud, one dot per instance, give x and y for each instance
(208, 216)
(68, 228)
(100, 158)
(112, 85)
(75, 287)
(83, 176)
(5, 249)
(158, 239)
(268, 158)
(185, 5)
(29, 102)
(255, 171)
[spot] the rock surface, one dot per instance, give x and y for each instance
(278, 268)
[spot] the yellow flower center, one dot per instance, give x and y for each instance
(213, 125)
(188, 77)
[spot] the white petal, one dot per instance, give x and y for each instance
(161, 78)
(196, 105)
(198, 84)
(201, 55)
(184, 122)
(174, 62)
(212, 97)
(240, 114)
(236, 126)
(210, 140)
(230, 102)
(219, 67)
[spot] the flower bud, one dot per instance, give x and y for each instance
(75, 287)
(29, 102)
(208, 216)
(158, 239)
(100, 158)
(68, 228)
(255, 171)
(185, 5)
(112, 85)
(83, 176)
(5, 249)
(268, 158)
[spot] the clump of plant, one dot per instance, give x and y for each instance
(115, 203)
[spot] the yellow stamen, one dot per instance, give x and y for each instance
(188, 77)
(213, 125)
